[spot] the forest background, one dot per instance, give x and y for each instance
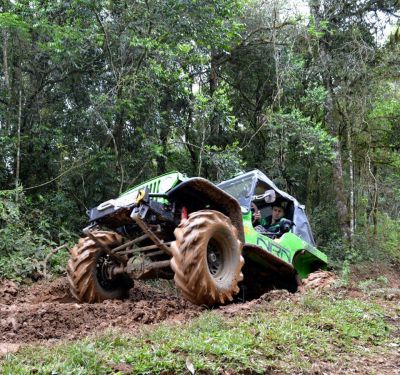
(96, 97)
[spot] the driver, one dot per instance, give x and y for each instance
(271, 223)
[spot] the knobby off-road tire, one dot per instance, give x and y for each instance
(207, 258)
(86, 270)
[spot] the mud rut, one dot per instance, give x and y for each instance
(46, 311)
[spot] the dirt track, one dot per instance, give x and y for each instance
(46, 311)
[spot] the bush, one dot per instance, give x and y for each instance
(26, 240)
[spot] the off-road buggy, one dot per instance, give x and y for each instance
(198, 233)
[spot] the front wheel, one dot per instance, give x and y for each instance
(207, 258)
(88, 270)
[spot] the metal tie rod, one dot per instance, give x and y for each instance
(129, 243)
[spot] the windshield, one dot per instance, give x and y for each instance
(240, 188)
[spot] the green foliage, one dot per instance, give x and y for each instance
(223, 163)
(14, 22)
(383, 246)
(112, 95)
(308, 139)
(345, 275)
(369, 284)
(389, 237)
(314, 101)
(324, 327)
(318, 30)
(288, 147)
(14, 235)
(26, 238)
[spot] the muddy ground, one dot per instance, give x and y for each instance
(45, 312)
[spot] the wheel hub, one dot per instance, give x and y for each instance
(214, 258)
(105, 271)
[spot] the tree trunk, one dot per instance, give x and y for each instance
(375, 205)
(18, 157)
(332, 125)
(312, 199)
(117, 138)
(162, 157)
(351, 198)
(373, 197)
(213, 87)
(6, 76)
(338, 186)
(338, 183)
(5, 59)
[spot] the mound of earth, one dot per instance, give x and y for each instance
(319, 280)
(46, 311)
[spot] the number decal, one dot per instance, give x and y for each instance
(274, 248)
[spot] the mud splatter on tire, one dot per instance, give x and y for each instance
(207, 258)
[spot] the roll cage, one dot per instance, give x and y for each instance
(246, 186)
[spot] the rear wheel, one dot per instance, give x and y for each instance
(207, 258)
(89, 270)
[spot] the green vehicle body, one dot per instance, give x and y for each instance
(160, 184)
(198, 233)
(287, 248)
(290, 248)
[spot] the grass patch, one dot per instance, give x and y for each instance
(285, 336)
